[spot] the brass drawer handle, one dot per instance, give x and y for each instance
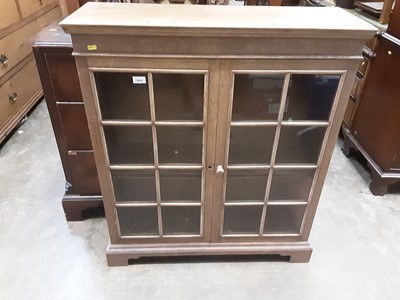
(13, 97)
(3, 59)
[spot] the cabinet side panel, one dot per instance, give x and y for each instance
(343, 93)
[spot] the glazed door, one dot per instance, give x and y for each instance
(156, 125)
(272, 127)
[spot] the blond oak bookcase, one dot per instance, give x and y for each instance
(213, 127)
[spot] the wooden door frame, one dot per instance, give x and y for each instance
(86, 67)
(228, 68)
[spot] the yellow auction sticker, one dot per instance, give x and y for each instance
(92, 47)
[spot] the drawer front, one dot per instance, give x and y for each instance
(84, 173)
(17, 91)
(64, 78)
(75, 126)
(349, 111)
(15, 45)
(355, 90)
(370, 43)
(362, 67)
(9, 13)
(29, 7)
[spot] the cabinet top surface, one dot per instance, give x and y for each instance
(51, 36)
(215, 20)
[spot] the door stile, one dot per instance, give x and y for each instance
(224, 108)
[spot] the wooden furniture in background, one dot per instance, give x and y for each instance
(359, 83)
(19, 81)
(213, 138)
(374, 123)
(380, 9)
(394, 23)
(376, 126)
(263, 2)
(69, 6)
(53, 48)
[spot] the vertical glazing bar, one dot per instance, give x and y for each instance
(155, 150)
(274, 150)
(204, 147)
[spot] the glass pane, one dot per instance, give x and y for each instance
(291, 184)
(257, 97)
(300, 144)
(129, 144)
(180, 185)
(179, 144)
(310, 97)
(242, 219)
(246, 185)
(284, 219)
(251, 145)
(138, 220)
(134, 185)
(123, 95)
(181, 220)
(179, 96)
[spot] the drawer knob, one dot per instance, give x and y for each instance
(220, 169)
(3, 59)
(13, 97)
(41, 2)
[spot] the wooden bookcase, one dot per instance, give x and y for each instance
(213, 127)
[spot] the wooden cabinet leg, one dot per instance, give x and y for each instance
(75, 206)
(348, 147)
(118, 260)
(378, 187)
(300, 256)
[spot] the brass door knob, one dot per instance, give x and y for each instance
(13, 97)
(3, 59)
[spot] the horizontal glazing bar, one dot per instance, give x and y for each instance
(140, 236)
(241, 235)
(295, 166)
(281, 235)
(152, 204)
(179, 123)
(179, 167)
(125, 123)
(181, 203)
(305, 123)
(161, 167)
(244, 203)
(248, 167)
(276, 123)
(253, 123)
(132, 167)
(136, 204)
(149, 123)
(181, 235)
(286, 203)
